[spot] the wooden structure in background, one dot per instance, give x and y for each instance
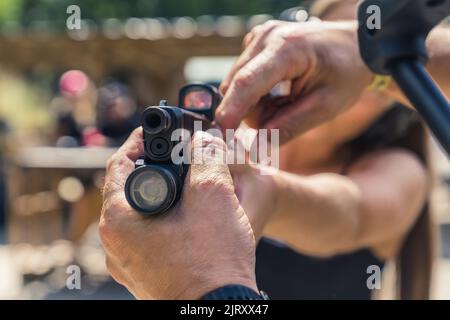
(156, 67)
(152, 52)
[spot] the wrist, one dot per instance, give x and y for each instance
(342, 53)
(197, 290)
(275, 184)
(235, 292)
(278, 185)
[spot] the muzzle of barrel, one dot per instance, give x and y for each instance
(156, 120)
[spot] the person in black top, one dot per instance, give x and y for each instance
(290, 273)
(353, 195)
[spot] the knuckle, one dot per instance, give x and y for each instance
(268, 25)
(213, 183)
(282, 52)
(110, 163)
(262, 29)
(210, 152)
(286, 44)
(121, 162)
(256, 29)
(214, 143)
(200, 142)
(117, 160)
(247, 40)
(109, 193)
(219, 143)
(244, 78)
(289, 54)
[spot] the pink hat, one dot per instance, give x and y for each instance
(73, 82)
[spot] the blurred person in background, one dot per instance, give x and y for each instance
(352, 194)
(116, 112)
(116, 117)
(75, 111)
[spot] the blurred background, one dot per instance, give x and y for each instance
(68, 98)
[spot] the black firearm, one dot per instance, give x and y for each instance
(157, 182)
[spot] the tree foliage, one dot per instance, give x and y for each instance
(54, 11)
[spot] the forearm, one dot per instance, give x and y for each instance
(317, 214)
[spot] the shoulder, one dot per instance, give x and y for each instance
(394, 160)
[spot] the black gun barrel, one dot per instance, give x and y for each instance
(155, 120)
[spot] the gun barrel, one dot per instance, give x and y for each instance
(155, 120)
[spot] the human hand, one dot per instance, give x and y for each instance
(203, 243)
(322, 61)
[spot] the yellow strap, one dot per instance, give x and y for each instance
(380, 83)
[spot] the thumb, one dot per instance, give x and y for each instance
(209, 173)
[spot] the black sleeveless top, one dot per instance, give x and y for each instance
(287, 274)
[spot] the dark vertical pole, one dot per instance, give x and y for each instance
(425, 96)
